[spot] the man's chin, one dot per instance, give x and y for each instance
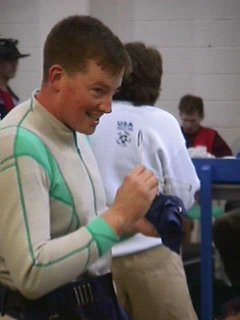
(88, 131)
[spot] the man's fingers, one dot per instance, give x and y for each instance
(147, 177)
(152, 182)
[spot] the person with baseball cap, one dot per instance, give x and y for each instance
(9, 55)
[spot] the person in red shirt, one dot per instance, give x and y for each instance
(191, 110)
(226, 229)
(9, 56)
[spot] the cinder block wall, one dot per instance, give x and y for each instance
(199, 41)
(29, 21)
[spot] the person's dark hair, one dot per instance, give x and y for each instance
(142, 85)
(76, 39)
(190, 104)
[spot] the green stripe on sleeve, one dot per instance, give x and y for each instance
(103, 234)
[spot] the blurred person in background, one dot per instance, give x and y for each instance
(9, 56)
(226, 229)
(202, 142)
(191, 111)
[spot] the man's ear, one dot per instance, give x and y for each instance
(55, 75)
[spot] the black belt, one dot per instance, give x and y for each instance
(77, 294)
(12, 302)
(12, 299)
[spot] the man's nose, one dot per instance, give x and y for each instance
(106, 105)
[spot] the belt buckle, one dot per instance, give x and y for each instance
(83, 294)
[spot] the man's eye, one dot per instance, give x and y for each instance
(98, 91)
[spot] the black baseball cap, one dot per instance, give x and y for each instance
(8, 49)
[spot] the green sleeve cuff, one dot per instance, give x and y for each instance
(103, 234)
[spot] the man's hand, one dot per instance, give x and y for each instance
(145, 227)
(132, 200)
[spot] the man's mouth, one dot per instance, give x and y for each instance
(94, 117)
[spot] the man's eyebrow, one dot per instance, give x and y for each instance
(105, 86)
(100, 83)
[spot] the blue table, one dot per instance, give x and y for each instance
(220, 179)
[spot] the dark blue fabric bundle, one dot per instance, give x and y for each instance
(166, 213)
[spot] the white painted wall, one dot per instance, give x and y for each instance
(199, 41)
